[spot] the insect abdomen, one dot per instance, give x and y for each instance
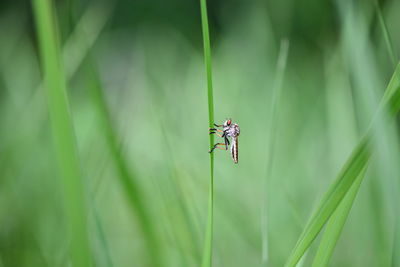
(234, 150)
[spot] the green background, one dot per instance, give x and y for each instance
(137, 93)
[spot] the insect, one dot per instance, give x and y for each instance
(231, 130)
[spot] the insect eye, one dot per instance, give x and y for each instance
(229, 122)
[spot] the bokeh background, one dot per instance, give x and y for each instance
(138, 97)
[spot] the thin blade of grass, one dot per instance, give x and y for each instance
(126, 175)
(207, 253)
(63, 133)
(335, 224)
(396, 241)
(386, 35)
(84, 36)
(337, 220)
(350, 171)
(172, 190)
(105, 255)
(281, 66)
(393, 56)
(73, 53)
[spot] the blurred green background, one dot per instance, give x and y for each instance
(138, 98)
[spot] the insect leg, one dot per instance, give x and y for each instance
(217, 146)
(226, 142)
(216, 125)
(214, 131)
(216, 134)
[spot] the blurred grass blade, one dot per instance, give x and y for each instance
(386, 34)
(207, 254)
(105, 251)
(63, 133)
(396, 241)
(350, 171)
(85, 34)
(272, 126)
(74, 51)
(335, 224)
(331, 199)
(126, 176)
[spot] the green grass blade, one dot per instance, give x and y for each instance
(351, 170)
(281, 66)
(86, 32)
(335, 224)
(102, 237)
(207, 254)
(65, 143)
(331, 199)
(386, 34)
(126, 175)
(393, 57)
(396, 242)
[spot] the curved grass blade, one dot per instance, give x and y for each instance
(102, 238)
(393, 56)
(335, 224)
(386, 35)
(350, 171)
(207, 254)
(126, 175)
(63, 133)
(280, 71)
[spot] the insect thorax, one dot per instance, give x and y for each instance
(232, 130)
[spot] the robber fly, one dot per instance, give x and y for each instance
(231, 130)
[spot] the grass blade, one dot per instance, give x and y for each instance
(126, 175)
(105, 251)
(350, 171)
(63, 133)
(335, 224)
(396, 242)
(281, 66)
(386, 35)
(207, 254)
